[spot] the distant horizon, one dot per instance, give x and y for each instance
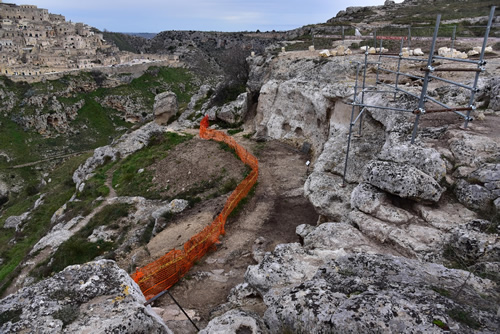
(155, 16)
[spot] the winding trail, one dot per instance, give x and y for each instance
(33, 163)
(270, 216)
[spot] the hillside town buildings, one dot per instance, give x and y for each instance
(34, 42)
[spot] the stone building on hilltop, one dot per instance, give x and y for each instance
(34, 42)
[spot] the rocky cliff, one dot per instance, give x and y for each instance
(407, 216)
(408, 243)
(96, 297)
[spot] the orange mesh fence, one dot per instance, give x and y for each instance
(167, 270)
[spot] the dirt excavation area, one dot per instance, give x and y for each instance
(269, 217)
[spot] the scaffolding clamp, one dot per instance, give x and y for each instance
(419, 111)
(430, 68)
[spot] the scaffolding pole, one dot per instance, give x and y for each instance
(351, 124)
(481, 60)
(423, 98)
(423, 95)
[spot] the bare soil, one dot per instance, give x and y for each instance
(271, 214)
(197, 164)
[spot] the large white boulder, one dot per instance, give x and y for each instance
(165, 107)
(234, 112)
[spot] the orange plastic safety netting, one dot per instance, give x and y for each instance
(167, 270)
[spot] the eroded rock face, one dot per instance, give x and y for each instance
(235, 111)
(473, 196)
(362, 293)
(97, 297)
(471, 243)
(16, 221)
(413, 240)
(293, 110)
(472, 149)
(236, 321)
(490, 94)
(291, 264)
(296, 104)
(132, 109)
(326, 193)
(372, 201)
(428, 160)
(126, 145)
(4, 192)
(165, 107)
(402, 180)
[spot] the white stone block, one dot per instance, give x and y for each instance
(324, 53)
(418, 52)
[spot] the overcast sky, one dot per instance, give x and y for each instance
(207, 15)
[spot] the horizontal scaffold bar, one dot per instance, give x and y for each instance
(452, 69)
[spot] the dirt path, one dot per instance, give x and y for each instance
(272, 215)
(50, 159)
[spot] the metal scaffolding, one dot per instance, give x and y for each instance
(429, 69)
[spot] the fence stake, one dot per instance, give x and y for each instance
(423, 95)
(480, 64)
(187, 316)
(379, 58)
(351, 124)
(363, 91)
(399, 68)
(409, 37)
(453, 37)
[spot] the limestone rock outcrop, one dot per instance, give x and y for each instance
(131, 109)
(234, 112)
(236, 321)
(297, 98)
(403, 180)
(165, 107)
(327, 195)
(126, 145)
(96, 297)
(4, 192)
(362, 293)
(490, 94)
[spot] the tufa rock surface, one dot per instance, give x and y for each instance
(367, 293)
(403, 180)
(97, 297)
(165, 107)
(236, 321)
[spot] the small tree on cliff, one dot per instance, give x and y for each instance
(236, 70)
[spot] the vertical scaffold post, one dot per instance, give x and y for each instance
(480, 65)
(399, 68)
(363, 91)
(351, 124)
(409, 37)
(343, 35)
(423, 95)
(453, 37)
(379, 60)
(374, 38)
